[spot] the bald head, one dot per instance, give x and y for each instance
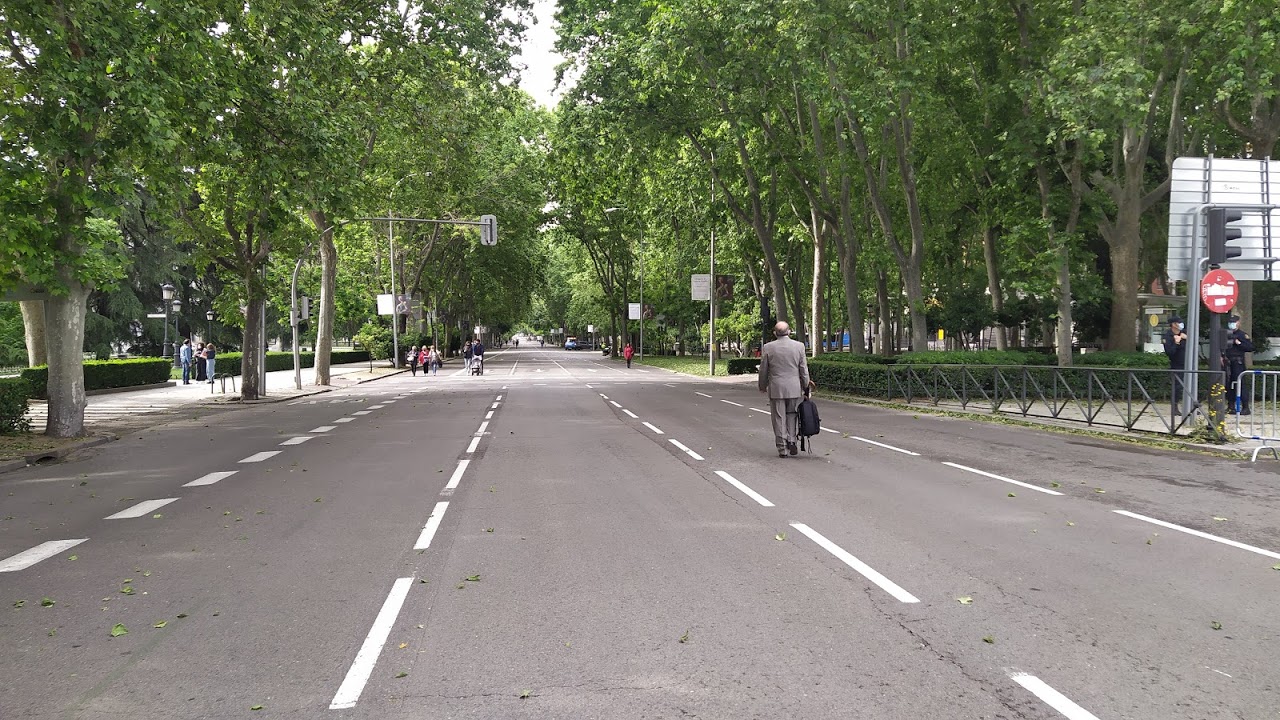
(781, 329)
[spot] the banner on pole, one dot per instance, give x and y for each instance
(700, 287)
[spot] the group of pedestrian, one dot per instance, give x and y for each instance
(426, 356)
(473, 354)
(1232, 362)
(197, 361)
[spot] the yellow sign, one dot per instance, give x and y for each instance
(1153, 319)
(942, 334)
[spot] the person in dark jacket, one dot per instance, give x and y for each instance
(1175, 346)
(1238, 343)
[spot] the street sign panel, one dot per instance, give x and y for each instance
(700, 287)
(386, 304)
(633, 311)
(1219, 291)
(156, 316)
(488, 230)
(591, 328)
(1200, 181)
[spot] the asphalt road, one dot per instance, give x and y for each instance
(565, 538)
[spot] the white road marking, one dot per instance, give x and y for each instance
(633, 415)
(324, 428)
(614, 403)
(494, 406)
(1028, 486)
(43, 551)
(513, 368)
(654, 428)
(388, 402)
(668, 385)
(361, 412)
(886, 447)
(732, 403)
(377, 407)
(1199, 534)
(214, 477)
(1051, 697)
(860, 567)
(488, 415)
(344, 420)
(589, 387)
(259, 457)
(643, 371)
(433, 524)
(606, 397)
(297, 440)
(592, 370)
(702, 394)
(483, 426)
(750, 493)
(362, 667)
(685, 448)
(457, 474)
(140, 509)
(830, 430)
(766, 412)
(475, 443)
(499, 398)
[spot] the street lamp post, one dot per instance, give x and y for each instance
(641, 241)
(177, 308)
(391, 245)
(209, 328)
(166, 295)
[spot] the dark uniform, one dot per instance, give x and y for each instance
(1175, 346)
(1238, 343)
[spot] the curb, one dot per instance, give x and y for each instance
(56, 454)
(317, 391)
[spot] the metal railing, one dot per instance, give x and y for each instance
(1134, 399)
(1257, 410)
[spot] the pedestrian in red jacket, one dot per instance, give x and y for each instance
(627, 352)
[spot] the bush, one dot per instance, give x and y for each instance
(975, 357)
(105, 374)
(229, 363)
(744, 366)
(375, 338)
(1120, 359)
(856, 359)
(14, 393)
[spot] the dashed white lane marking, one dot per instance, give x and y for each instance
(499, 398)
(886, 447)
(1199, 534)
(433, 524)
(654, 428)
(1028, 486)
(606, 397)
(592, 370)
(488, 415)
(494, 406)
(633, 415)
(259, 457)
(766, 412)
(324, 428)
(614, 403)
(457, 474)
(212, 478)
(361, 412)
(483, 426)
(344, 420)
(513, 367)
(140, 509)
(732, 403)
(376, 407)
(830, 430)
(1051, 697)
(749, 492)
(685, 448)
(43, 551)
(475, 443)
(297, 440)
(669, 385)
(351, 687)
(860, 567)
(643, 371)
(388, 402)
(702, 394)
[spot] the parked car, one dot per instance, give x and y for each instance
(571, 343)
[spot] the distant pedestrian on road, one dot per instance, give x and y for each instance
(784, 374)
(1238, 343)
(184, 356)
(202, 373)
(433, 360)
(466, 356)
(210, 356)
(627, 352)
(412, 358)
(1175, 346)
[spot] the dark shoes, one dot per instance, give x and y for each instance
(792, 449)
(782, 453)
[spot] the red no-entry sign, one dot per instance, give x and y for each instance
(1219, 291)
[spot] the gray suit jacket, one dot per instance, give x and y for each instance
(784, 372)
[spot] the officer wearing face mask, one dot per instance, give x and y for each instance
(1238, 343)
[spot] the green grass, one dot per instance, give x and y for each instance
(689, 364)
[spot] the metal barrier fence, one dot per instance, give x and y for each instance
(1257, 395)
(1134, 399)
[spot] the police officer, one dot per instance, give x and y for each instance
(1175, 346)
(1238, 343)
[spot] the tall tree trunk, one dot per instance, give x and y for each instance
(885, 330)
(251, 357)
(33, 326)
(1124, 239)
(328, 286)
(816, 315)
(993, 284)
(65, 314)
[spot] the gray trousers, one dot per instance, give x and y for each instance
(785, 420)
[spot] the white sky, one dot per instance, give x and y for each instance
(538, 55)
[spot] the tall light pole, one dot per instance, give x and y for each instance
(391, 245)
(641, 242)
(177, 308)
(166, 296)
(209, 331)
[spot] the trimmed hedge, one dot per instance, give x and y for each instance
(1116, 358)
(14, 393)
(104, 374)
(229, 363)
(744, 366)
(975, 357)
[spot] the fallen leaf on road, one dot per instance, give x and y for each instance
(401, 674)
(1215, 625)
(160, 624)
(157, 516)
(780, 536)
(74, 557)
(256, 707)
(127, 589)
(966, 600)
(1012, 495)
(1054, 484)
(181, 615)
(685, 637)
(404, 645)
(119, 629)
(423, 580)
(1070, 524)
(525, 695)
(20, 603)
(989, 640)
(1276, 566)
(46, 602)
(1099, 490)
(473, 578)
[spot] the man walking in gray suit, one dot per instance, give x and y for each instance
(784, 374)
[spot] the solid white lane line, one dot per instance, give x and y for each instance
(886, 447)
(766, 412)
(43, 551)
(732, 403)
(750, 493)
(830, 430)
(324, 428)
(433, 524)
(361, 412)
(457, 474)
(140, 509)
(344, 420)
(475, 443)
(483, 426)
(1028, 486)
(614, 403)
(297, 440)
(1051, 697)
(488, 415)
(259, 457)
(685, 448)
(860, 567)
(513, 367)
(351, 687)
(213, 477)
(702, 394)
(633, 415)
(1199, 534)
(654, 428)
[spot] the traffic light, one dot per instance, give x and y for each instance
(1220, 235)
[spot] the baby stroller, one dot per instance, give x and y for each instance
(477, 365)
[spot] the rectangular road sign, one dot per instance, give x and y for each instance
(387, 304)
(1200, 181)
(633, 311)
(488, 230)
(700, 287)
